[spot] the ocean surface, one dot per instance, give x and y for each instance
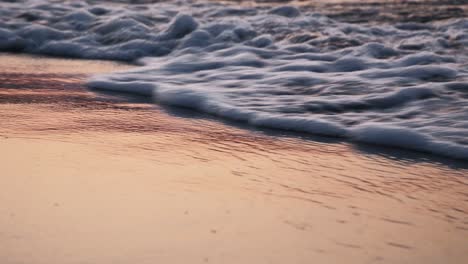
(364, 74)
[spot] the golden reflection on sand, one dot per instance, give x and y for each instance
(93, 178)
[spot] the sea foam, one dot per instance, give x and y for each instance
(402, 85)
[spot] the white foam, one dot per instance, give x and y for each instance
(287, 11)
(392, 136)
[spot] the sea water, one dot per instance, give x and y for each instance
(402, 84)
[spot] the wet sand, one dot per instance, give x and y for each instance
(107, 178)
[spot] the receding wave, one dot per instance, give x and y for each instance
(401, 84)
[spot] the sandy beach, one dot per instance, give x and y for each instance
(90, 177)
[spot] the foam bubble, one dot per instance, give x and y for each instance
(286, 11)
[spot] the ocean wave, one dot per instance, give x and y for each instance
(402, 85)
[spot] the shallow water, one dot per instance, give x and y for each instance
(106, 178)
(399, 81)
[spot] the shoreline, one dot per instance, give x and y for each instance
(67, 73)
